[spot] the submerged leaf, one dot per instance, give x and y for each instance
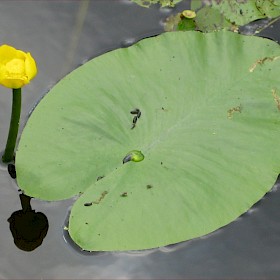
(268, 8)
(210, 19)
(163, 3)
(196, 4)
(209, 131)
(171, 23)
(245, 11)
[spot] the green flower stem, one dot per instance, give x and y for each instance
(14, 124)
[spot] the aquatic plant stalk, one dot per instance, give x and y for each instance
(14, 124)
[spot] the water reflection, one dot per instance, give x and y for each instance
(12, 170)
(28, 227)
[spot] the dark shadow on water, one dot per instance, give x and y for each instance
(28, 227)
(12, 170)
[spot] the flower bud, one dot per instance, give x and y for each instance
(17, 68)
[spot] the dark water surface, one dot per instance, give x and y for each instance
(62, 35)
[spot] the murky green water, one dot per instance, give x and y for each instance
(62, 35)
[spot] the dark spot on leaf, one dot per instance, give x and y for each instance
(232, 110)
(149, 187)
(100, 177)
(135, 111)
(88, 204)
(124, 194)
(134, 120)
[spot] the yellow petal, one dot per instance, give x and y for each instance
(30, 67)
(17, 68)
(14, 83)
(3, 71)
(20, 54)
(7, 53)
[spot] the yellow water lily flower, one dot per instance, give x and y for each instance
(188, 14)
(17, 68)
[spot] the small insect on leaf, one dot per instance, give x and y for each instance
(124, 194)
(135, 111)
(134, 120)
(134, 155)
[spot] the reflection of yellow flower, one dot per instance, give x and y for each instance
(17, 68)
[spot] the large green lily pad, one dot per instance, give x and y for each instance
(208, 131)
